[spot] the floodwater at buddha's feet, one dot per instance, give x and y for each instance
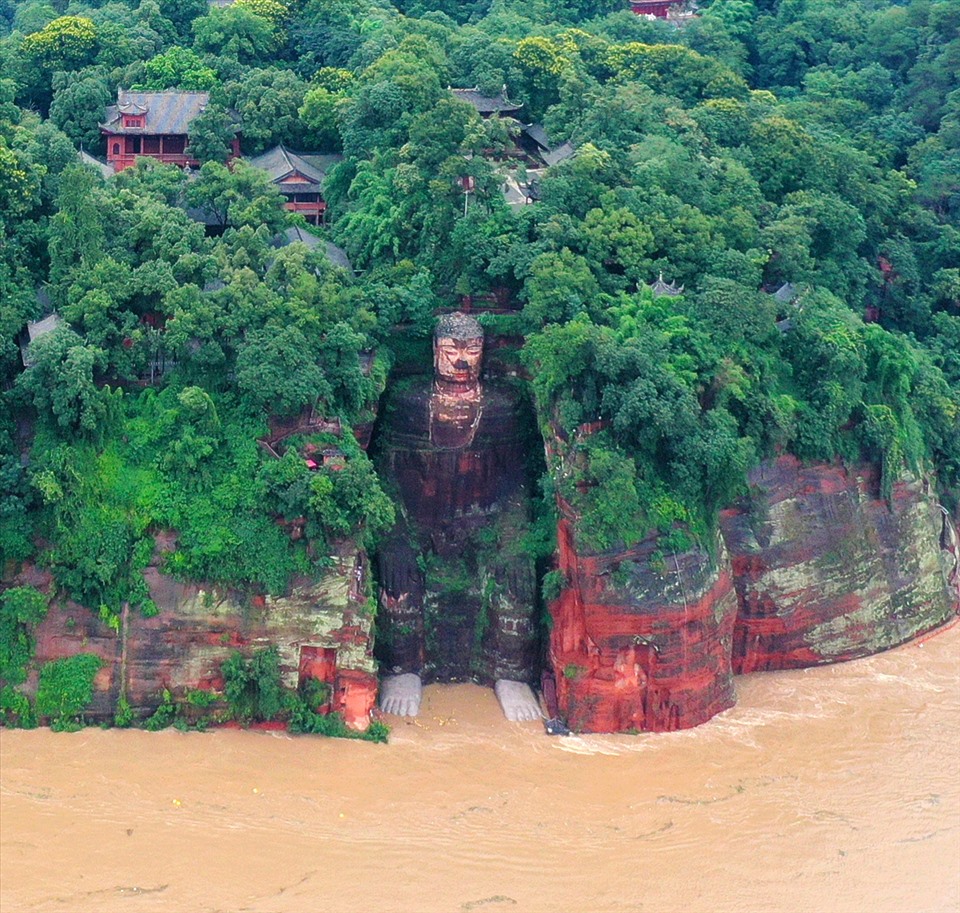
(832, 789)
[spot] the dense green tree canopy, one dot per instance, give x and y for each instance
(793, 166)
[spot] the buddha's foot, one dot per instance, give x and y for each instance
(517, 700)
(400, 694)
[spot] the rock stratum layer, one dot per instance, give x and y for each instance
(827, 571)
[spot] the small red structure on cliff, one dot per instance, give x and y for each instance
(153, 124)
(657, 8)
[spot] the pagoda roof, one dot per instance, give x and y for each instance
(282, 163)
(486, 104)
(167, 113)
(665, 289)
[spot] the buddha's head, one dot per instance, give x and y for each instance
(458, 350)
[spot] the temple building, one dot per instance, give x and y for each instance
(153, 124)
(486, 105)
(656, 8)
(538, 145)
(37, 328)
(336, 255)
(300, 178)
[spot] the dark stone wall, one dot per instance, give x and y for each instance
(440, 486)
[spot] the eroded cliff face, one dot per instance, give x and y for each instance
(827, 571)
(812, 567)
(641, 640)
(322, 628)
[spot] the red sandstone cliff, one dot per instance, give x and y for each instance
(823, 570)
(641, 640)
(827, 571)
(323, 629)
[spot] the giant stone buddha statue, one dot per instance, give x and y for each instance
(457, 593)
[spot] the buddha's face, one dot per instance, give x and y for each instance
(457, 361)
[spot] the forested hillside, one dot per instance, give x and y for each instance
(793, 165)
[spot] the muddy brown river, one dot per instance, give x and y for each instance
(832, 790)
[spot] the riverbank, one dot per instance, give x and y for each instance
(824, 789)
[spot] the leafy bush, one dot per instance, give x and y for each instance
(21, 609)
(15, 709)
(123, 717)
(66, 689)
(164, 715)
(308, 721)
(252, 687)
(553, 583)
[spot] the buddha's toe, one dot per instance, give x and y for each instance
(517, 700)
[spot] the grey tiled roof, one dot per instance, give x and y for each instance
(281, 162)
(36, 329)
(41, 327)
(105, 169)
(321, 161)
(486, 104)
(786, 293)
(544, 145)
(294, 234)
(336, 255)
(537, 133)
(560, 154)
(167, 112)
(667, 289)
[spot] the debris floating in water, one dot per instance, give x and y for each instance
(556, 726)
